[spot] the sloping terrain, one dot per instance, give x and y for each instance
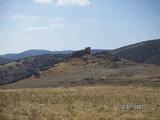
(144, 52)
(24, 68)
(25, 54)
(32, 53)
(4, 60)
(121, 66)
(91, 70)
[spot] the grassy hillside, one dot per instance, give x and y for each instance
(93, 70)
(80, 103)
(145, 52)
(98, 68)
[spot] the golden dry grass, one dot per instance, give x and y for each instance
(80, 103)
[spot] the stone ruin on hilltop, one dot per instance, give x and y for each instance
(81, 53)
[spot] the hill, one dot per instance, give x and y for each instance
(144, 52)
(32, 53)
(125, 65)
(24, 68)
(25, 54)
(4, 60)
(92, 70)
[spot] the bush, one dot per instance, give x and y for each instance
(37, 74)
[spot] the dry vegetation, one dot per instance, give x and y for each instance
(92, 70)
(80, 103)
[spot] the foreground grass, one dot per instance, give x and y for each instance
(80, 103)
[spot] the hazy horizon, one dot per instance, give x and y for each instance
(58, 25)
(72, 49)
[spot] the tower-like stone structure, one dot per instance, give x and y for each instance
(88, 50)
(80, 53)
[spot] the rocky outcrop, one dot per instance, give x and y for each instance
(81, 53)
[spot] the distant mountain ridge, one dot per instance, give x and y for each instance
(35, 52)
(4, 60)
(25, 54)
(144, 52)
(32, 53)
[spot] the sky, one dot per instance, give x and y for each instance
(74, 24)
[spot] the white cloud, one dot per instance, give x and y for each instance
(73, 2)
(58, 20)
(44, 28)
(31, 28)
(19, 16)
(65, 2)
(57, 23)
(44, 1)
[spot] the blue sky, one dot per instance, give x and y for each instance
(75, 24)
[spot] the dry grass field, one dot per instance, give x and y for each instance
(80, 103)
